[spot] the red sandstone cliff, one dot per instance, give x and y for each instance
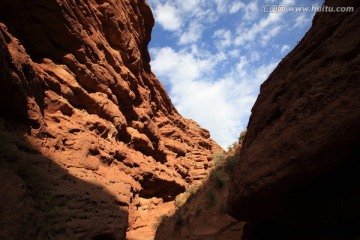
(299, 172)
(81, 109)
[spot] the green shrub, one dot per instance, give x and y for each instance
(181, 199)
(218, 178)
(231, 162)
(218, 158)
(232, 146)
(242, 136)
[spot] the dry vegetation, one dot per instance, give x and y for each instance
(200, 211)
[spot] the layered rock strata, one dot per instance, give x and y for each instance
(77, 85)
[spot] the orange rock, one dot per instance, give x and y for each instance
(76, 80)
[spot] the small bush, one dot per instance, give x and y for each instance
(218, 158)
(218, 178)
(158, 222)
(232, 146)
(231, 162)
(181, 199)
(193, 189)
(242, 136)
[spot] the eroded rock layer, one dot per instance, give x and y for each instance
(77, 85)
(299, 172)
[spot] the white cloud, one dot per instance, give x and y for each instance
(272, 32)
(234, 53)
(177, 66)
(236, 6)
(221, 5)
(264, 71)
(301, 20)
(187, 18)
(241, 67)
(220, 105)
(218, 58)
(206, 101)
(192, 35)
(284, 48)
(223, 38)
(251, 10)
(188, 6)
(255, 56)
(270, 19)
(288, 2)
(266, 26)
(168, 17)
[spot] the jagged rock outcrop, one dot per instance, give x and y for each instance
(76, 84)
(299, 171)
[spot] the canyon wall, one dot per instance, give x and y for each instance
(299, 172)
(80, 107)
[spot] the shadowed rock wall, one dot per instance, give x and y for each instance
(299, 172)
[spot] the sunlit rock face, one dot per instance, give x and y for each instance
(299, 172)
(76, 82)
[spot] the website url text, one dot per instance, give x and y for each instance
(314, 8)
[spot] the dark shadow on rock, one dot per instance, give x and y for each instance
(326, 208)
(38, 198)
(41, 200)
(299, 174)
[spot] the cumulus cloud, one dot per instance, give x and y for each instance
(213, 66)
(180, 67)
(220, 105)
(187, 18)
(168, 17)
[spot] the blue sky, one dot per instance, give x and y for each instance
(212, 55)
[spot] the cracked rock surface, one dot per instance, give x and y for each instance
(77, 90)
